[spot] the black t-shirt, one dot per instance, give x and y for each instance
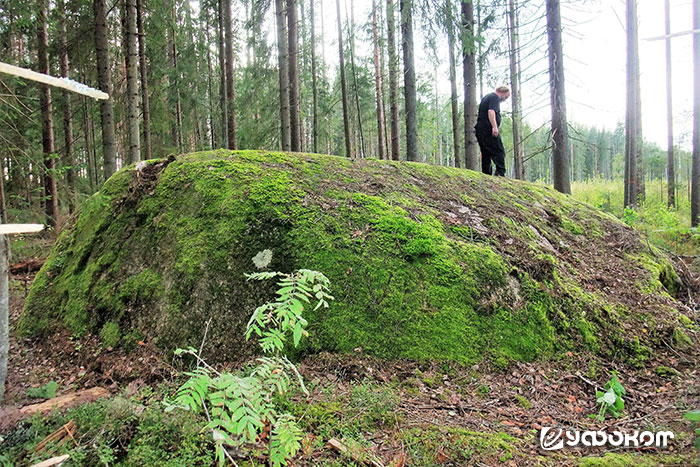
(489, 102)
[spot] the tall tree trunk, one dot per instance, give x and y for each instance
(449, 18)
(343, 86)
(383, 73)
(283, 65)
(177, 128)
(378, 84)
(393, 80)
(132, 84)
(480, 57)
(471, 148)
(409, 73)
(88, 144)
(230, 87)
(104, 79)
(355, 88)
(210, 80)
(671, 170)
(560, 137)
(695, 180)
(314, 83)
(633, 128)
(50, 191)
(222, 83)
(145, 104)
(67, 110)
(293, 44)
(518, 169)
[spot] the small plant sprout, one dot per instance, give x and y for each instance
(611, 400)
(238, 409)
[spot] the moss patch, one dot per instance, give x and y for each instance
(426, 262)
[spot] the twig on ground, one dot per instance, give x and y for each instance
(204, 338)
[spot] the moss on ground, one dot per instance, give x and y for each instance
(426, 262)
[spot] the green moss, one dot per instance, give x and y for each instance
(110, 334)
(681, 339)
(523, 402)
(161, 251)
(666, 372)
(432, 446)
(630, 460)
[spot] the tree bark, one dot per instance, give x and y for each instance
(343, 86)
(172, 49)
(355, 88)
(695, 180)
(283, 65)
(222, 72)
(293, 45)
(518, 169)
(409, 73)
(314, 83)
(378, 84)
(449, 18)
(560, 137)
(230, 87)
(471, 148)
(104, 79)
(671, 170)
(393, 80)
(633, 130)
(50, 191)
(132, 84)
(67, 110)
(88, 144)
(145, 104)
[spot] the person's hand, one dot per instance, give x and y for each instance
(494, 131)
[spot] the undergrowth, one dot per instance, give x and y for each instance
(666, 227)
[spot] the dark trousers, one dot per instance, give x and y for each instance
(491, 150)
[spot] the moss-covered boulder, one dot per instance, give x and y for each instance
(425, 262)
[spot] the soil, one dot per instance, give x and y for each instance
(518, 401)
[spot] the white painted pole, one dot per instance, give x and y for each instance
(63, 83)
(5, 293)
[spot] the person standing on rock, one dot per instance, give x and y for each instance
(487, 135)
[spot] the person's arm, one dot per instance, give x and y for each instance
(494, 125)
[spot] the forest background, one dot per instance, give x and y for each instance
(186, 76)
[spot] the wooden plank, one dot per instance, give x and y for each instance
(6, 229)
(63, 83)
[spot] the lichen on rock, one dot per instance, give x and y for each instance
(426, 262)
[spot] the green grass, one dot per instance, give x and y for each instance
(666, 228)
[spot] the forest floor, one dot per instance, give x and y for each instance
(397, 413)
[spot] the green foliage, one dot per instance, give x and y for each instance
(694, 417)
(115, 431)
(611, 400)
(238, 408)
(47, 391)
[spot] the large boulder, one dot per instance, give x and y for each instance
(425, 262)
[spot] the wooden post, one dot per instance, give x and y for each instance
(6, 229)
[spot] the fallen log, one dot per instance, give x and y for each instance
(11, 415)
(28, 266)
